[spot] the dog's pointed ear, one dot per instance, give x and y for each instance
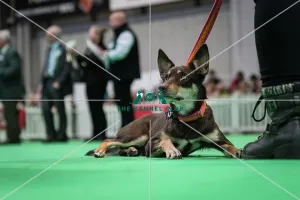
(201, 61)
(164, 63)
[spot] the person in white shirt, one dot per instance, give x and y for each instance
(122, 59)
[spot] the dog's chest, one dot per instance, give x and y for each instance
(176, 129)
(187, 146)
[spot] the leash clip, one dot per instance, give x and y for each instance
(169, 114)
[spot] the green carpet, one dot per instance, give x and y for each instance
(206, 175)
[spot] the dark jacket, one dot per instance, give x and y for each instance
(11, 77)
(62, 71)
(76, 73)
(129, 67)
(92, 74)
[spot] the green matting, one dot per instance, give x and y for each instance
(206, 175)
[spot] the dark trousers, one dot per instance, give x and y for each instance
(49, 96)
(123, 93)
(11, 116)
(278, 41)
(94, 93)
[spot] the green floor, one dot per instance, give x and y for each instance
(206, 177)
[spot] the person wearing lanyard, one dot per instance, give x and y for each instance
(55, 85)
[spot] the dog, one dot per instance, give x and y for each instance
(182, 131)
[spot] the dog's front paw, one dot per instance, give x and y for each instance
(99, 153)
(173, 154)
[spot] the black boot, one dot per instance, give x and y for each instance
(281, 140)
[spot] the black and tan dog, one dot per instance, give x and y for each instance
(155, 135)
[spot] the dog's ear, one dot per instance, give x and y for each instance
(164, 63)
(201, 61)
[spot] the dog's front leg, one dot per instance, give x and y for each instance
(170, 150)
(161, 144)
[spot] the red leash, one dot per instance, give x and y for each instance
(206, 29)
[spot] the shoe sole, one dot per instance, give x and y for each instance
(289, 151)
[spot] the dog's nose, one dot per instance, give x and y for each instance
(162, 88)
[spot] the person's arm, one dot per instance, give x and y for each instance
(123, 46)
(66, 68)
(98, 52)
(14, 62)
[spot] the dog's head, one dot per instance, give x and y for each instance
(183, 85)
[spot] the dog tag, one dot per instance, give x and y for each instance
(169, 113)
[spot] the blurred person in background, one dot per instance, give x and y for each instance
(213, 77)
(255, 84)
(277, 46)
(242, 88)
(96, 80)
(212, 84)
(11, 86)
(123, 59)
(75, 76)
(55, 85)
(235, 82)
(220, 90)
(76, 73)
(210, 89)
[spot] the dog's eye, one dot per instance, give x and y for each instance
(183, 77)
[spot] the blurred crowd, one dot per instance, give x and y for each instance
(216, 87)
(116, 61)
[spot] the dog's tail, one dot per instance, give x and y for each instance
(109, 152)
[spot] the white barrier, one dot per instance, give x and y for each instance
(233, 115)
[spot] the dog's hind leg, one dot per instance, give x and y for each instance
(103, 148)
(106, 144)
(131, 151)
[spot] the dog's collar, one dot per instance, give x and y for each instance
(199, 114)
